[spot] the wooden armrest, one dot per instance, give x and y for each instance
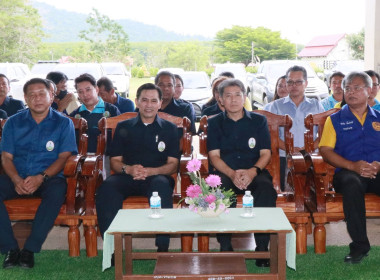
(92, 164)
(73, 165)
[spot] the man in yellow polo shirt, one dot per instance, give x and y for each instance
(351, 143)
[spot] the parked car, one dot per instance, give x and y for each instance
(257, 92)
(43, 67)
(73, 70)
(197, 89)
(270, 70)
(344, 66)
(18, 74)
(238, 69)
(119, 76)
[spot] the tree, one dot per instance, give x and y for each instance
(356, 43)
(20, 31)
(235, 45)
(108, 41)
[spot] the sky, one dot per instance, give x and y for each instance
(297, 20)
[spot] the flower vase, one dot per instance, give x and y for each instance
(210, 213)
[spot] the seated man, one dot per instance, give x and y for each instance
(351, 143)
(108, 94)
(92, 109)
(144, 153)
(337, 91)
(9, 105)
(239, 148)
(35, 146)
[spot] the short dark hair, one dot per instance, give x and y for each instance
(372, 73)
(179, 78)
(148, 86)
(85, 78)
(3, 76)
(36, 81)
(297, 68)
(164, 73)
(227, 74)
(336, 74)
(230, 83)
(56, 77)
(106, 82)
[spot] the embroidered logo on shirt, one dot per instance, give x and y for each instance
(376, 126)
(161, 146)
(106, 114)
(77, 116)
(50, 146)
(252, 142)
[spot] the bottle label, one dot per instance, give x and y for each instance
(155, 203)
(247, 201)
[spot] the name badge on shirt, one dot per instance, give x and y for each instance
(376, 126)
(252, 142)
(161, 146)
(106, 114)
(77, 116)
(50, 146)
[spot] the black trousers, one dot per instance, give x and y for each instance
(264, 195)
(118, 187)
(353, 187)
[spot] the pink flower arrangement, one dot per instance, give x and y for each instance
(207, 193)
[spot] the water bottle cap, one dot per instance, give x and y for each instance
(248, 192)
(155, 193)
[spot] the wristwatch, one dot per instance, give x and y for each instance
(123, 169)
(45, 176)
(258, 169)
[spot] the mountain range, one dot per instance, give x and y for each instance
(64, 26)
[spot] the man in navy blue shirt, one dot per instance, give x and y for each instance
(239, 148)
(108, 94)
(9, 105)
(144, 153)
(92, 109)
(35, 146)
(166, 82)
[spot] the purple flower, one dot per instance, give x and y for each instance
(210, 198)
(193, 165)
(193, 191)
(212, 206)
(213, 181)
(222, 206)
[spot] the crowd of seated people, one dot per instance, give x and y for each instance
(144, 151)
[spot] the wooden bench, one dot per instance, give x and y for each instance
(93, 172)
(25, 208)
(290, 200)
(325, 204)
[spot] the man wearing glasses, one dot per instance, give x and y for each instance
(351, 143)
(297, 106)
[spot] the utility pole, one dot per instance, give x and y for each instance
(252, 53)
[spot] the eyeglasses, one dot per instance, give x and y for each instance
(297, 83)
(375, 85)
(353, 89)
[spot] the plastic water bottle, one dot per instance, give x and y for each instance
(248, 204)
(155, 205)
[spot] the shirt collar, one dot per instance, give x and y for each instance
(138, 120)
(6, 100)
(50, 115)
(347, 112)
(245, 114)
(287, 99)
(99, 108)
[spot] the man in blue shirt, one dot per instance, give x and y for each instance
(297, 106)
(9, 105)
(337, 91)
(166, 82)
(108, 94)
(35, 146)
(92, 109)
(239, 147)
(144, 153)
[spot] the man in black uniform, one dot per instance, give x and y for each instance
(9, 105)
(144, 153)
(239, 146)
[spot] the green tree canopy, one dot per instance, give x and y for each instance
(20, 31)
(234, 45)
(108, 41)
(356, 43)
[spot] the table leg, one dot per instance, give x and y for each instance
(118, 256)
(274, 253)
(281, 255)
(128, 254)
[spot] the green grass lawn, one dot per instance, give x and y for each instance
(134, 85)
(58, 265)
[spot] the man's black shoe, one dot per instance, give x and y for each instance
(262, 263)
(11, 258)
(26, 259)
(355, 257)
